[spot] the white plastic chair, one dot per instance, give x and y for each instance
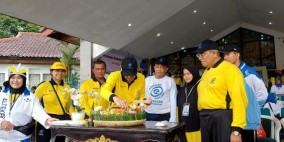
(275, 123)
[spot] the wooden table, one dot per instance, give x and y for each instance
(147, 132)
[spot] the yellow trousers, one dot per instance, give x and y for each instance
(193, 136)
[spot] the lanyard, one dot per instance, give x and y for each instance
(187, 94)
(14, 100)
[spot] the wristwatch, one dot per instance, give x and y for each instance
(236, 133)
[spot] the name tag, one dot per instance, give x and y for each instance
(185, 109)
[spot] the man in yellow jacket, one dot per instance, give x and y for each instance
(125, 86)
(222, 99)
(90, 89)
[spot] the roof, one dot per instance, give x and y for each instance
(133, 25)
(32, 45)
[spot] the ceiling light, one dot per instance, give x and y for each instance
(129, 25)
(172, 42)
(158, 34)
(204, 23)
(270, 23)
(271, 12)
(182, 47)
(194, 11)
(211, 30)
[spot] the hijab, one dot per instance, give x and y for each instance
(195, 73)
(18, 90)
(278, 85)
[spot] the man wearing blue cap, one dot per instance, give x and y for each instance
(162, 90)
(255, 89)
(222, 99)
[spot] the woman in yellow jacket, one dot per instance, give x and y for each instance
(55, 101)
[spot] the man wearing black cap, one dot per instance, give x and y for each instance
(162, 90)
(255, 89)
(125, 86)
(222, 99)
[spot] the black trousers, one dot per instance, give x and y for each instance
(249, 136)
(158, 117)
(215, 125)
(44, 135)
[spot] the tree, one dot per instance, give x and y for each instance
(67, 57)
(9, 27)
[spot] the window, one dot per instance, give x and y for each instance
(46, 77)
(2, 78)
(258, 49)
(34, 79)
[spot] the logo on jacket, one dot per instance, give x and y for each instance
(3, 108)
(139, 92)
(212, 81)
(247, 73)
(27, 99)
(156, 91)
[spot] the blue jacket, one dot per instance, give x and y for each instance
(256, 94)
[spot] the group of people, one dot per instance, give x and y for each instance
(221, 105)
(226, 101)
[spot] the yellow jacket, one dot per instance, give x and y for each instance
(46, 94)
(215, 83)
(87, 88)
(178, 81)
(129, 92)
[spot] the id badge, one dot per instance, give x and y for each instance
(185, 109)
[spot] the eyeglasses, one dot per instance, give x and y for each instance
(201, 55)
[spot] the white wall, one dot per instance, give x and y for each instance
(279, 45)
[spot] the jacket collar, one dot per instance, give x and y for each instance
(26, 91)
(216, 64)
(241, 66)
(54, 83)
(96, 80)
(124, 80)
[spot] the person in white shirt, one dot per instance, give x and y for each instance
(18, 106)
(162, 90)
(277, 88)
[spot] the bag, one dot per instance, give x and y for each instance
(66, 116)
(26, 129)
(261, 133)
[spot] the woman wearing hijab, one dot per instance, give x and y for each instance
(54, 98)
(278, 87)
(187, 105)
(18, 106)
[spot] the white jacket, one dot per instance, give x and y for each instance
(26, 107)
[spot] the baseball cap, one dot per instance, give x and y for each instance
(231, 48)
(58, 66)
(206, 45)
(129, 66)
(162, 61)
